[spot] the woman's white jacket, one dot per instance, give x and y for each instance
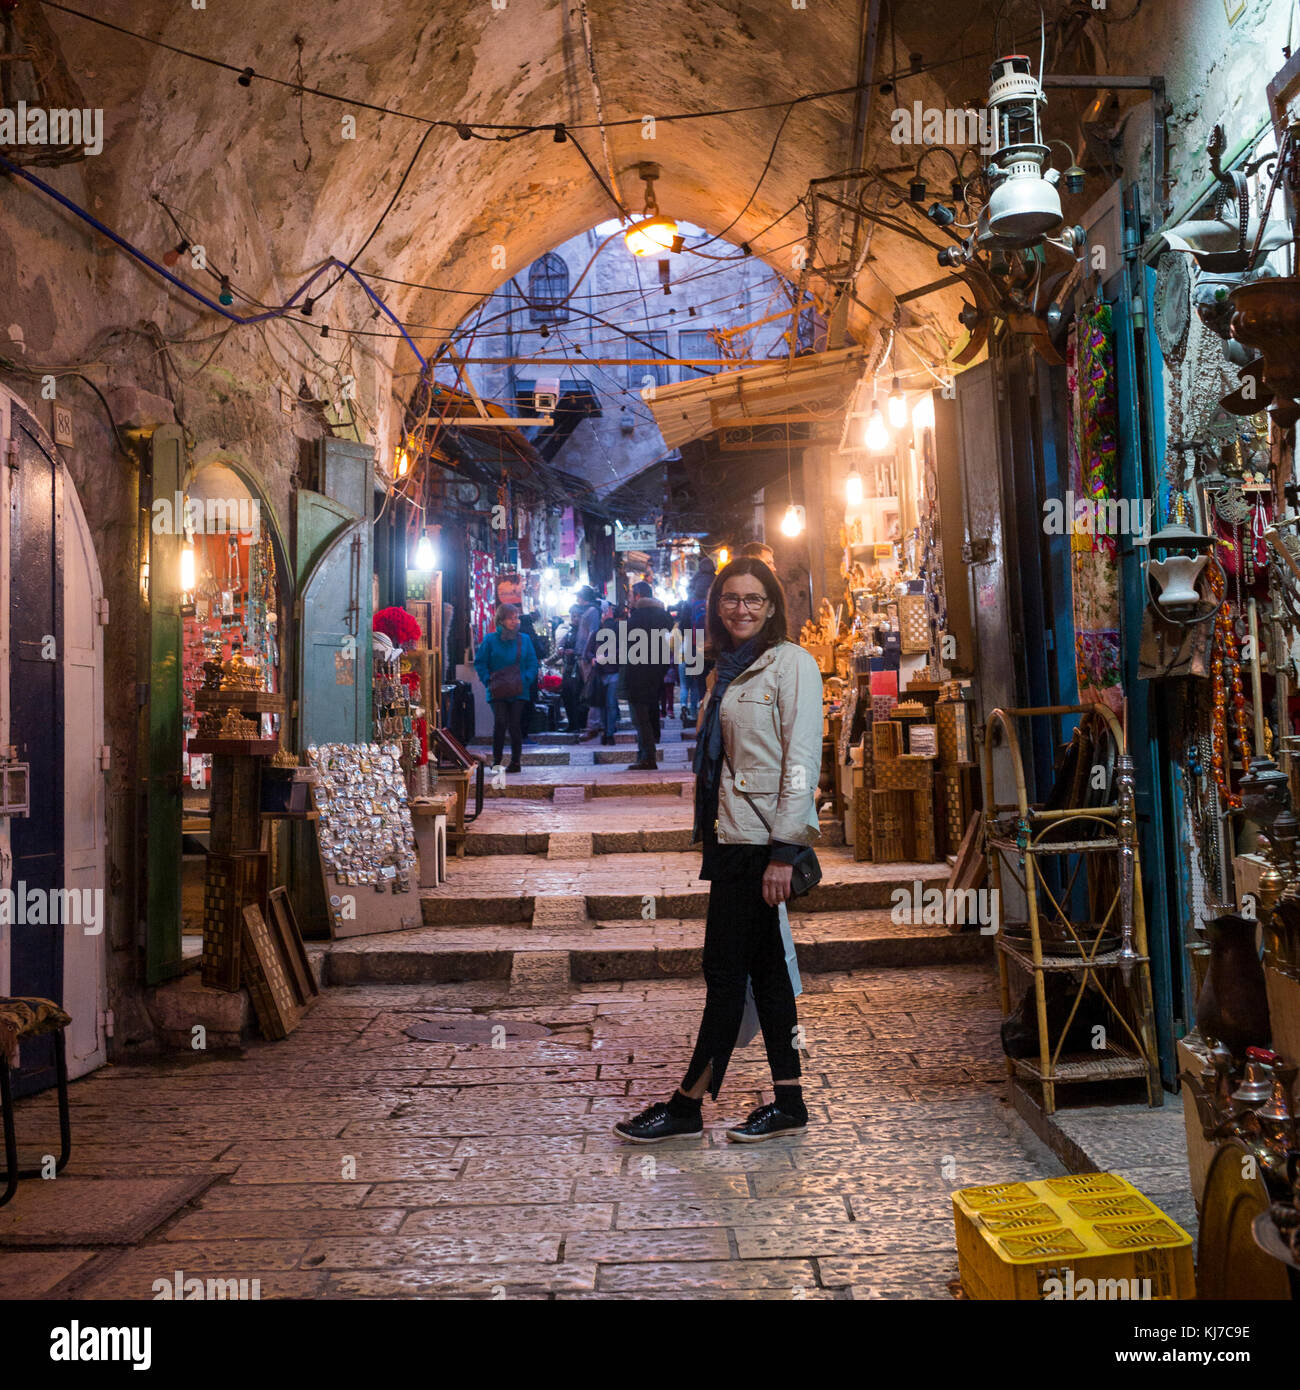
(772, 735)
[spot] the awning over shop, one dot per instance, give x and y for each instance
(809, 388)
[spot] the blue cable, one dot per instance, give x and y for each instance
(203, 299)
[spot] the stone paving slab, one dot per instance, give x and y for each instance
(34, 1273)
(460, 1281)
(75, 1211)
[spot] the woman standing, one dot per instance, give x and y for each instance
(757, 761)
(506, 663)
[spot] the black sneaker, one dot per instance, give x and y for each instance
(656, 1122)
(767, 1122)
(514, 767)
(642, 767)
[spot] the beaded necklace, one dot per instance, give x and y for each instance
(1227, 665)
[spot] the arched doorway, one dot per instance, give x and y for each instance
(235, 592)
(52, 711)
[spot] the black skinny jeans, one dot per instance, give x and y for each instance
(507, 714)
(742, 941)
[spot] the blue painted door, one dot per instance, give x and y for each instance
(1147, 727)
(334, 642)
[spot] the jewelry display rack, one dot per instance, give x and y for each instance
(1048, 941)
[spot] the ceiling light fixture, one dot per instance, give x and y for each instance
(792, 522)
(653, 234)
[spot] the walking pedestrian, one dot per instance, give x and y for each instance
(604, 655)
(695, 617)
(506, 663)
(757, 761)
(583, 645)
(644, 677)
(566, 636)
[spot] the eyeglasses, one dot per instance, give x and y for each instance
(754, 603)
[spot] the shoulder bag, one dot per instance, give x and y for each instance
(508, 682)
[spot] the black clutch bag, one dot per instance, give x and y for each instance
(807, 872)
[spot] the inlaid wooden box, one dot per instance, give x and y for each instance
(905, 774)
(886, 740)
(956, 743)
(902, 826)
(914, 623)
(231, 881)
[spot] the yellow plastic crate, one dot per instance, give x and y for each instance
(1090, 1236)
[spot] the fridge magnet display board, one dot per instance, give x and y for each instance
(366, 839)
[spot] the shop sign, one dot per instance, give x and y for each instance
(636, 538)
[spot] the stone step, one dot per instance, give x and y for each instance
(541, 785)
(620, 884)
(543, 842)
(599, 951)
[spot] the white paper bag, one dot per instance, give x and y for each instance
(749, 1025)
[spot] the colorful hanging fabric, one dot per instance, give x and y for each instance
(1094, 482)
(484, 598)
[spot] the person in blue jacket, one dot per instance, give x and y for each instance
(506, 663)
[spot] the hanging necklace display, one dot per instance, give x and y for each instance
(1226, 676)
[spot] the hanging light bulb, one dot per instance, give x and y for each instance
(853, 487)
(724, 555)
(403, 461)
(653, 234)
(877, 434)
(897, 406)
(923, 414)
(187, 569)
(792, 522)
(424, 556)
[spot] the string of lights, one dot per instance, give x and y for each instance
(246, 75)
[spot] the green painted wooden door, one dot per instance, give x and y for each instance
(162, 719)
(334, 642)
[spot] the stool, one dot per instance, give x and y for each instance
(457, 784)
(27, 1018)
(429, 818)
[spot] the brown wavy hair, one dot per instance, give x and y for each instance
(772, 631)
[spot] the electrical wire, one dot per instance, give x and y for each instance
(471, 129)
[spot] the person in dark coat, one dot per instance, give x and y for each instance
(583, 642)
(648, 659)
(605, 657)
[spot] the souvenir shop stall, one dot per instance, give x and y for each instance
(230, 609)
(899, 765)
(1220, 646)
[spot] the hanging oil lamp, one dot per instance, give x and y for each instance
(1171, 582)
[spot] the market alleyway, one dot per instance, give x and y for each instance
(354, 1159)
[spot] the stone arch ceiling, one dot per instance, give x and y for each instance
(224, 156)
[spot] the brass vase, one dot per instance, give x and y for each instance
(1267, 318)
(1232, 1007)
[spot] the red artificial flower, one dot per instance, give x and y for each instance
(397, 625)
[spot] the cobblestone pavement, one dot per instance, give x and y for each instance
(351, 1160)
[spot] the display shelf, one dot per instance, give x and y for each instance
(1051, 961)
(1074, 1068)
(245, 701)
(1109, 842)
(1114, 895)
(236, 747)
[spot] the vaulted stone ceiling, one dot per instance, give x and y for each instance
(234, 160)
